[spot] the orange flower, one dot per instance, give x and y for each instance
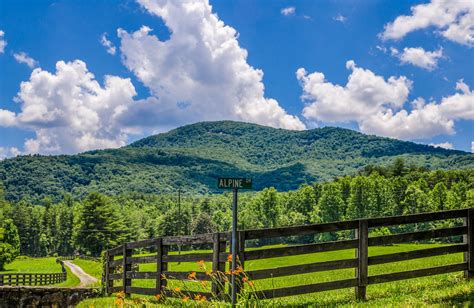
(238, 270)
(229, 258)
(192, 275)
(227, 272)
(158, 297)
(208, 273)
(204, 283)
(178, 289)
(118, 302)
(185, 299)
(250, 283)
(245, 279)
(197, 297)
(201, 263)
(203, 299)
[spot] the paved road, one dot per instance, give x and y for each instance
(86, 279)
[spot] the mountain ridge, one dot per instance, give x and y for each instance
(193, 156)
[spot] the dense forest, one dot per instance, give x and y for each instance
(97, 221)
(193, 156)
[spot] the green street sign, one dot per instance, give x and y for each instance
(234, 183)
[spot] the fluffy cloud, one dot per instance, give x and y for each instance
(7, 118)
(472, 146)
(377, 105)
(444, 145)
(453, 19)
(69, 111)
(3, 43)
(365, 93)
(340, 18)
(199, 73)
(107, 44)
(8, 152)
(419, 57)
(288, 11)
(23, 58)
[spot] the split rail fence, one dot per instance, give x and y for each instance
(33, 279)
(122, 262)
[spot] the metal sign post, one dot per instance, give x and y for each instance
(235, 184)
(234, 245)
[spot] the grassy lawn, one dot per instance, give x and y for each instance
(448, 289)
(24, 264)
(92, 268)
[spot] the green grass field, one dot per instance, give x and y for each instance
(447, 289)
(24, 264)
(93, 268)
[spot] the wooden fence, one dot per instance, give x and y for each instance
(34, 279)
(121, 267)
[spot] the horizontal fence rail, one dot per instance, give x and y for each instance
(33, 279)
(122, 266)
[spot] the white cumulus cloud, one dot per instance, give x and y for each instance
(417, 56)
(199, 73)
(378, 105)
(23, 58)
(444, 145)
(365, 93)
(69, 111)
(3, 43)
(107, 44)
(8, 152)
(288, 11)
(453, 19)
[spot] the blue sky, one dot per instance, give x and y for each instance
(390, 68)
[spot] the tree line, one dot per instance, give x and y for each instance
(97, 222)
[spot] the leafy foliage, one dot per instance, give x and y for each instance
(91, 224)
(193, 156)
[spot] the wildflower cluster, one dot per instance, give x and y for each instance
(219, 280)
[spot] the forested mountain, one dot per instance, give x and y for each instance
(193, 156)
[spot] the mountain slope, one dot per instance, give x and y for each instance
(193, 157)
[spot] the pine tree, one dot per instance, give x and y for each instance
(99, 226)
(437, 197)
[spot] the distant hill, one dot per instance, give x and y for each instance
(193, 156)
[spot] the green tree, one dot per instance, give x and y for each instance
(381, 200)
(398, 167)
(268, 205)
(361, 189)
(437, 197)
(9, 242)
(329, 205)
(99, 227)
(415, 200)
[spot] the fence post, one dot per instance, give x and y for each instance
(241, 258)
(160, 282)
(218, 267)
(362, 254)
(108, 282)
(1, 280)
(126, 268)
(469, 240)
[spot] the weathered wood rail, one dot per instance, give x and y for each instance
(34, 279)
(119, 260)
